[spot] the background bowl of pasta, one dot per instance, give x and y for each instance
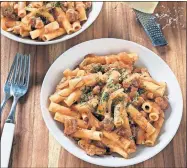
(157, 68)
(44, 23)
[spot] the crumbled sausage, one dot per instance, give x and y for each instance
(108, 124)
(70, 126)
(91, 149)
(8, 11)
(162, 102)
(72, 15)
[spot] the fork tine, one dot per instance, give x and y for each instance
(27, 72)
(25, 66)
(20, 70)
(9, 78)
(15, 69)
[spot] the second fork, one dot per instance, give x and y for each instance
(19, 86)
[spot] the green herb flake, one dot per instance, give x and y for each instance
(105, 96)
(141, 91)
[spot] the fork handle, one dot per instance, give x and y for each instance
(3, 103)
(6, 143)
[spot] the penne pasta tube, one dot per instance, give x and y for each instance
(147, 106)
(54, 34)
(65, 92)
(76, 82)
(150, 140)
(36, 33)
(61, 118)
(27, 19)
(127, 127)
(16, 8)
(11, 23)
(60, 95)
(21, 9)
(39, 23)
(56, 98)
(3, 25)
(62, 19)
(70, 4)
(73, 97)
(86, 109)
(152, 87)
(140, 120)
(69, 73)
(118, 120)
(140, 139)
(114, 147)
(53, 107)
(119, 140)
(92, 79)
(81, 73)
(62, 84)
(37, 4)
(24, 33)
(80, 7)
(51, 27)
(88, 134)
(76, 26)
(85, 117)
(127, 59)
(153, 116)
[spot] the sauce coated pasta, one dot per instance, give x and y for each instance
(107, 104)
(43, 20)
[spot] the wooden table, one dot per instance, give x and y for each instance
(33, 145)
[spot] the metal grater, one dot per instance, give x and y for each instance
(152, 28)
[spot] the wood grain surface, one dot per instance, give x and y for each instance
(33, 145)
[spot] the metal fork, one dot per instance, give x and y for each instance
(19, 86)
(8, 85)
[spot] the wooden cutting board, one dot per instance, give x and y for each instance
(33, 144)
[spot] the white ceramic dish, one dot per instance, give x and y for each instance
(96, 9)
(157, 68)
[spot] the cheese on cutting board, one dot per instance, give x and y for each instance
(146, 7)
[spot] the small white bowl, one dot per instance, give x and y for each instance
(159, 70)
(95, 10)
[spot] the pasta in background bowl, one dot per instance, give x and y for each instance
(47, 23)
(158, 70)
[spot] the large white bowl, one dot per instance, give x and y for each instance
(157, 68)
(95, 10)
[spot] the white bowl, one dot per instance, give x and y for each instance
(159, 70)
(95, 10)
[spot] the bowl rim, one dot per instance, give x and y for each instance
(99, 5)
(162, 146)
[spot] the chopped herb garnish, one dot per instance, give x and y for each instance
(110, 85)
(86, 89)
(57, 4)
(105, 96)
(98, 68)
(117, 100)
(141, 91)
(136, 97)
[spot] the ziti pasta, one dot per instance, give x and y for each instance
(43, 20)
(107, 104)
